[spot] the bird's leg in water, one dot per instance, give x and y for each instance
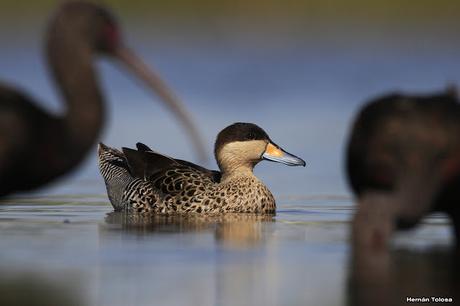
(373, 222)
(370, 261)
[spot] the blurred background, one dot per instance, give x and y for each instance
(299, 69)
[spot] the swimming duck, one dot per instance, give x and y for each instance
(143, 180)
(403, 162)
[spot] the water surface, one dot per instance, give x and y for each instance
(76, 245)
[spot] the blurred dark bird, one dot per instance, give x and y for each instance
(403, 162)
(37, 147)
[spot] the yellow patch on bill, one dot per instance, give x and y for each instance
(273, 151)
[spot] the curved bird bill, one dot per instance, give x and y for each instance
(153, 80)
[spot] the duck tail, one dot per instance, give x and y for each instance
(109, 160)
(114, 169)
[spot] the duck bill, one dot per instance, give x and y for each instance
(153, 80)
(276, 154)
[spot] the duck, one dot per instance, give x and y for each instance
(403, 163)
(144, 181)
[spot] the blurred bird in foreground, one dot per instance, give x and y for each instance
(37, 147)
(403, 162)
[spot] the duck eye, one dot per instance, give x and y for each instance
(250, 136)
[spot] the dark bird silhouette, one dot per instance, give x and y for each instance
(403, 162)
(37, 147)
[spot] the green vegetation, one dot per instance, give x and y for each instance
(260, 10)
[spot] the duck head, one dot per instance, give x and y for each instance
(240, 146)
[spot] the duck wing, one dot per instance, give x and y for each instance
(145, 164)
(148, 164)
(173, 177)
(142, 147)
(212, 174)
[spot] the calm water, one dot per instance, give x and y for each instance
(73, 249)
(65, 246)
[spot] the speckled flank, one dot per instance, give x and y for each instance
(184, 189)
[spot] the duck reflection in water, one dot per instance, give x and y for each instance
(403, 163)
(235, 230)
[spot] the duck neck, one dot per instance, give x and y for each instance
(71, 62)
(236, 170)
